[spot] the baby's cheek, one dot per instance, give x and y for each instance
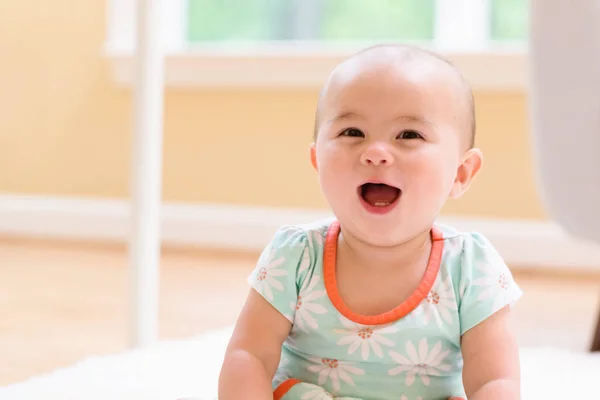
(429, 176)
(429, 190)
(335, 186)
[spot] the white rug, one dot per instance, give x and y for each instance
(190, 368)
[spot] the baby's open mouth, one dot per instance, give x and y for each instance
(379, 194)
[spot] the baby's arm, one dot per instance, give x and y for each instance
(254, 351)
(487, 292)
(491, 359)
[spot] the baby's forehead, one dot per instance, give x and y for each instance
(385, 67)
(411, 72)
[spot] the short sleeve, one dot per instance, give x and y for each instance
(486, 283)
(277, 273)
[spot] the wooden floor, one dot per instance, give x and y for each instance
(60, 303)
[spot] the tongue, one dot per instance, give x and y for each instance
(379, 194)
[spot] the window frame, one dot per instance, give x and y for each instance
(486, 65)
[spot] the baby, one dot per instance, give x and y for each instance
(382, 302)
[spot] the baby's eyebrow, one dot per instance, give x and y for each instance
(345, 115)
(415, 118)
(409, 118)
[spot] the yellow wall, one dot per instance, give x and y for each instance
(65, 127)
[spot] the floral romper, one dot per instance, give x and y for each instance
(411, 352)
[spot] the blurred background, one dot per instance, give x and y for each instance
(241, 84)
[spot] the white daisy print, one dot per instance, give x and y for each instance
(268, 273)
(440, 303)
(425, 363)
(496, 281)
(364, 337)
(334, 370)
(305, 305)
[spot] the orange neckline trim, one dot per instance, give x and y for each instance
(406, 307)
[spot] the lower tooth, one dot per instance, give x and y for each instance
(380, 204)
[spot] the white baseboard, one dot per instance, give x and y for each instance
(522, 243)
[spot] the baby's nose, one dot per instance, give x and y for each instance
(376, 155)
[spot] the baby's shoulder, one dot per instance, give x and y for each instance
(469, 254)
(297, 247)
(310, 235)
(288, 261)
(466, 246)
(479, 274)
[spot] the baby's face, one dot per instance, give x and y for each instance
(390, 142)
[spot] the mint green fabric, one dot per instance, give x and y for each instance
(302, 390)
(417, 356)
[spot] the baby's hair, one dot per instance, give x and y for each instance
(413, 52)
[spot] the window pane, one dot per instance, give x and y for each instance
(509, 19)
(378, 20)
(210, 20)
(249, 20)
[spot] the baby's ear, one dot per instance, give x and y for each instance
(313, 156)
(467, 171)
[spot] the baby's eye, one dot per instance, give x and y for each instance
(409, 135)
(353, 132)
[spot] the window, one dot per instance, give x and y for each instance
(329, 20)
(343, 20)
(237, 42)
(509, 20)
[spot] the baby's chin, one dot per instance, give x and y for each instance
(388, 233)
